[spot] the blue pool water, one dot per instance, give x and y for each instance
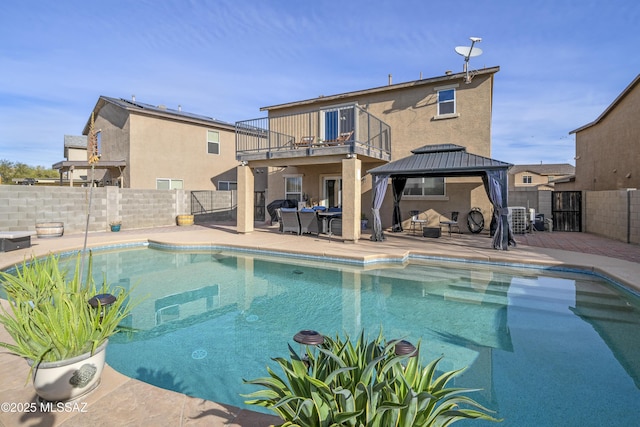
(546, 348)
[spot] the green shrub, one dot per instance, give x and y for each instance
(362, 384)
(50, 318)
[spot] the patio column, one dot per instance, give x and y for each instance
(244, 222)
(351, 199)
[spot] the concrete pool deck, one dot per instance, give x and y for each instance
(125, 401)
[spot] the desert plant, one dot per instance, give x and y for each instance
(50, 318)
(362, 384)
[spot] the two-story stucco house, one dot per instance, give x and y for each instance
(540, 176)
(144, 146)
(318, 151)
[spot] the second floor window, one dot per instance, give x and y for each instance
(446, 101)
(526, 179)
(213, 142)
(424, 187)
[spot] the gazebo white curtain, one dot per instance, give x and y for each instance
(379, 191)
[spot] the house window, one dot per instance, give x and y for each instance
(213, 142)
(227, 185)
(526, 179)
(293, 187)
(446, 101)
(169, 184)
(424, 187)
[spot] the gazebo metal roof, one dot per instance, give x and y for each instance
(440, 160)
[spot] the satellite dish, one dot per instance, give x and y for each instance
(468, 51)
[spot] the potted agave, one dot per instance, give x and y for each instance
(60, 325)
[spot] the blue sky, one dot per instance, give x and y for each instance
(561, 62)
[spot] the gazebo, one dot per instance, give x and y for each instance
(443, 160)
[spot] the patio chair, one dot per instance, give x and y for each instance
(289, 222)
(305, 141)
(308, 222)
(416, 221)
(335, 227)
(340, 140)
(451, 223)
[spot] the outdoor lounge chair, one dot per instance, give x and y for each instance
(289, 222)
(343, 138)
(308, 221)
(305, 141)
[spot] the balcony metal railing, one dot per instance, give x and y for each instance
(351, 127)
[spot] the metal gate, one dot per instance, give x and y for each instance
(259, 206)
(566, 210)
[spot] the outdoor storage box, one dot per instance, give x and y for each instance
(430, 231)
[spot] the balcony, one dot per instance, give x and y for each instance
(339, 131)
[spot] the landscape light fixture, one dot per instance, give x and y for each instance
(404, 347)
(102, 301)
(308, 337)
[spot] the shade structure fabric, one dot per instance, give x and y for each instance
(379, 190)
(444, 160)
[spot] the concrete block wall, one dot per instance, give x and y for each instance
(21, 207)
(614, 214)
(634, 217)
(540, 200)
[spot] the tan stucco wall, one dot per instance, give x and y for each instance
(515, 180)
(77, 154)
(179, 151)
(608, 153)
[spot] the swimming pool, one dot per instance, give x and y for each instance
(546, 347)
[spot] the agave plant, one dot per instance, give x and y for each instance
(362, 384)
(50, 318)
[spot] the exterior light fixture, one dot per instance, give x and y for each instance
(102, 301)
(308, 337)
(403, 348)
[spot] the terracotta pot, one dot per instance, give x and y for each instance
(71, 378)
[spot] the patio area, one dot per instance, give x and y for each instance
(128, 402)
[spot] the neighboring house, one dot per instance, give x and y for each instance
(608, 149)
(144, 146)
(540, 176)
(75, 149)
(530, 186)
(319, 150)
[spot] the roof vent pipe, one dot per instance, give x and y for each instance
(389, 79)
(133, 98)
(179, 107)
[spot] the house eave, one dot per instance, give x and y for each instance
(423, 82)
